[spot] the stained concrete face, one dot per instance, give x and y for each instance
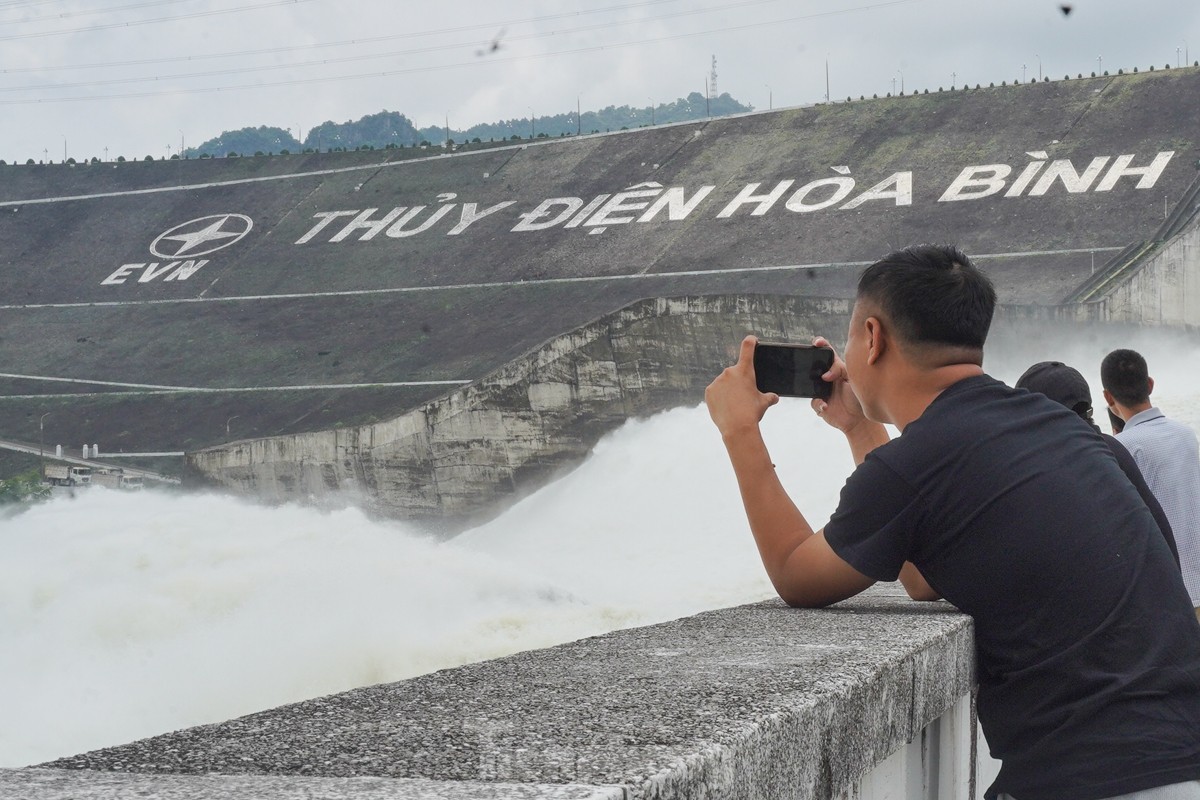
(460, 458)
(756, 701)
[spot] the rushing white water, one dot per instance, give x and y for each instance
(127, 614)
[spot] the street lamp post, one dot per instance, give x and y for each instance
(532, 116)
(231, 419)
(1039, 58)
(1099, 65)
(1022, 73)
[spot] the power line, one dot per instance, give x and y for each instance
(66, 14)
(391, 54)
(473, 63)
(492, 26)
(111, 25)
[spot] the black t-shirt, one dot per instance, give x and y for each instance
(1088, 650)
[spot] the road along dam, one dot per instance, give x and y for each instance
(430, 336)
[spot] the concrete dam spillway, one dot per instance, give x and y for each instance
(430, 336)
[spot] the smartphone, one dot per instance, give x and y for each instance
(793, 370)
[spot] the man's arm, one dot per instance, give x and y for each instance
(800, 563)
(844, 412)
(915, 585)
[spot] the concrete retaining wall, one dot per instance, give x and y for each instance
(864, 699)
(1164, 291)
(465, 454)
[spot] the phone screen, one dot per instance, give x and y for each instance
(792, 370)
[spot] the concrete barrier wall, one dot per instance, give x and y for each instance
(465, 454)
(867, 699)
(1164, 291)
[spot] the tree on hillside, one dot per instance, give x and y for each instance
(377, 130)
(392, 129)
(247, 140)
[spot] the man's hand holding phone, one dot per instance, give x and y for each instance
(842, 409)
(733, 399)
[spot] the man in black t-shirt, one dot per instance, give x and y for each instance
(1010, 507)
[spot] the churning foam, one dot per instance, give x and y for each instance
(126, 614)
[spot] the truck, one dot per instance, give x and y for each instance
(67, 475)
(116, 479)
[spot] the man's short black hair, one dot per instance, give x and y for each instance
(1124, 375)
(932, 294)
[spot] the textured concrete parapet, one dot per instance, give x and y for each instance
(462, 455)
(749, 702)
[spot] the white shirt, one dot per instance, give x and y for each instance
(1168, 454)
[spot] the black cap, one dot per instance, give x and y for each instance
(1062, 384)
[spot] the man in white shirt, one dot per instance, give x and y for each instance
(1166, 451)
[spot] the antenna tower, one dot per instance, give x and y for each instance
(712, 80)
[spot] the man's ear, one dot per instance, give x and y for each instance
(876, 339)
(1109, 400)
(1149, 386)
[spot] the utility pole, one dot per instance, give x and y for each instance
(1039, 58)
(827, 80)
(532, 116)
(41, 442)
(770, 97)
(578, 117)
(447, 129)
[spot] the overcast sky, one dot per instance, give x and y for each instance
(139, 77)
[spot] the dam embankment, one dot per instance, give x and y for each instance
(190, 305)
